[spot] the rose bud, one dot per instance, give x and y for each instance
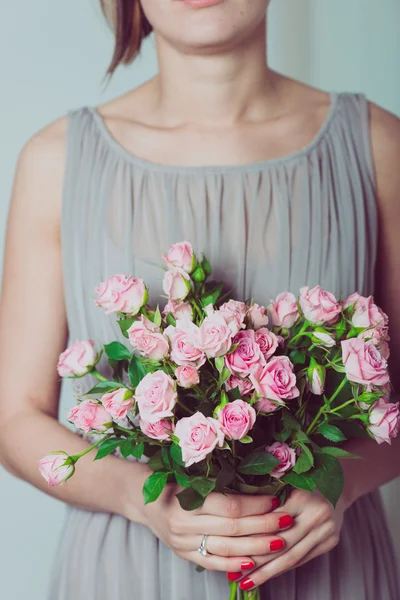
(316, 377)
(257, 317)
(321, 338)
(181, 256)
(56, 468)
(89, 415)
(286, 457)
(146, 336)
(179, 310)
(319, 306)
(160, 430)
(118, 402)
(283, 311)
(384, 421)
(78, 359)
(237, 418)
(176, 284)
(187, 376)
(122, 293)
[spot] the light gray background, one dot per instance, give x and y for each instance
(53, 57)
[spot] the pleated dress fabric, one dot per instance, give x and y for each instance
(305, 219)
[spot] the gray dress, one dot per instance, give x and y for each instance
(305, 219)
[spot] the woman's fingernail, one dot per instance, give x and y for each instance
(275, 503)
(276, 545)
(285, 521)
(234, 576)
(246, 584)
(245, 566)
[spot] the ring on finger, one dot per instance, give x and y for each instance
(202, 549)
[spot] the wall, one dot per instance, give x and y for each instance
(54, 55)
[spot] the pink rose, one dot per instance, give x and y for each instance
(237, 418)
(363, 363)
(88, 416)
(160, 430)
(77, 360)
(316, 378)
(367, 314)
(146, 336)
(234, 313)
(286, 457)
(180, 256)
(319, 306)
(179, 310)
(156, 396)
(185, 344)
(266, 406)
(122, 293)
(384, 421)
(247, 355)
(257, 317)
(275, 380)
(198, 436)
(215, 336)
(176, 284)
(187, 376)
(245, 386)
(351, 300)
(267, 341)
(55, 468)
(283, 311)
(118, 402)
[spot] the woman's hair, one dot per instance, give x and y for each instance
(130, 26)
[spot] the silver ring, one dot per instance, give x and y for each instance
(202, 548)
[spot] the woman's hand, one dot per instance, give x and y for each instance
(315, 531)
(238, 526)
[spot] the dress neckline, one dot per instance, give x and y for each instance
(217, 169)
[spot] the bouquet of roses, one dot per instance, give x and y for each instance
(228, 396)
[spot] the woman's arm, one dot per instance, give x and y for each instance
(34, 332)
(381, 463)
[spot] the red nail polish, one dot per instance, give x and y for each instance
(245, 566)
(275, 503)
(234, 576)
(276, 545)
(285, 521)
(246, 584)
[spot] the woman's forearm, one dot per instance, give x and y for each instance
(110, 485)
(379, 464)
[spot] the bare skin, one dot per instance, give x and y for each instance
(229, 110)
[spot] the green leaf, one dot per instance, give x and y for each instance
(225, 477)
(224, 376)
(206, 266)
(369, 397)
(338, 452)
(234, 394)
(212, 297)
(103, 387)
(189, 499)
(302, 437)
(297, 357)
(303, 462)
(136, 371)
(125, 324)
(107, 447)
(328, 477)
(157, 317)
(171, 320)
(220, 363)
(153, 486)
(258, 463)
(301, 482)
(138, 450)
(176, 455)
(290, 421)
(282, 436)
(330, 432)
(155, 463)
(246, 439)
(203, 486)
(127, 446)
(166, 461)
(117, 351)
(182, 478)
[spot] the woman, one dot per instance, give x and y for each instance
(279, 184)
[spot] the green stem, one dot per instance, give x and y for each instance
(322, 410)
(233, 591)
(97, 374)
(76, 457)
(338, 408)
(245, 595)
(129, 431)
(298, 335)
